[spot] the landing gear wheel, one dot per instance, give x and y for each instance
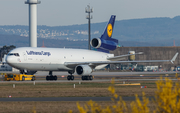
(55, 77)
(82, 77)
(47, 77)
(70, 77)
(51, 77)
(87, 77)
(90, 77)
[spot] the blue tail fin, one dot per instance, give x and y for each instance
(106, 43)
(109, 28)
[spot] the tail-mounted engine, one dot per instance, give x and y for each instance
(105, 44)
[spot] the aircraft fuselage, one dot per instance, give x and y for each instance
(52, 59)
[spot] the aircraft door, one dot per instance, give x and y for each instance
(25, 56)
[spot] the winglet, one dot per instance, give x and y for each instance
(174, 58)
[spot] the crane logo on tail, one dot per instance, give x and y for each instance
(109, 30)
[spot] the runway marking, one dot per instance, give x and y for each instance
(132, 84)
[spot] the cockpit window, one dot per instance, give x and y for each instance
(15, 54)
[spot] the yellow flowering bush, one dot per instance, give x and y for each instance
(166, 101)
(167, 96)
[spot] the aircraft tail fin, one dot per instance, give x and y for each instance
(109, 28)
(105, 43)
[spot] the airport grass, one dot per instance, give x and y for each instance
(50, 107)
(85, 89)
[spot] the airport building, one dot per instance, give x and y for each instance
(152, 53)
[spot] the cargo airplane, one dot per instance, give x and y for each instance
(29, 60)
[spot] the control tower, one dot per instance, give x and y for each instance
(32, 22)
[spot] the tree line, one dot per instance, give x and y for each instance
(5, 50)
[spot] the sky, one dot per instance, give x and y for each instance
(72, 12)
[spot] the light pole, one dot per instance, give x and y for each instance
(89, 11)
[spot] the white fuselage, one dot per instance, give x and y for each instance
(52, 59)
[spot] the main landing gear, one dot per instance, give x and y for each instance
(87, 77)
(70, 77)
(51, 77)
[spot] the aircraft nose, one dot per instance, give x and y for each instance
(8, 59)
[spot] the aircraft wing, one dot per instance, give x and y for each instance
(95, 63)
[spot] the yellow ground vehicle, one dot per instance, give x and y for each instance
(19, 77)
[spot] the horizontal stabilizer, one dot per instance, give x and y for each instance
(174, 58)
(117, 58)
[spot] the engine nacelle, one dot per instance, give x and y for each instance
(83, 70)
(104, 44)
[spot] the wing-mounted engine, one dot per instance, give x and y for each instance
(83, 70)
(105, 44)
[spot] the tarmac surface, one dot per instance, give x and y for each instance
(99, 73)
(104, 77)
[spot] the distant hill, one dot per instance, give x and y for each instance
(20, 41)
(134, 32)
